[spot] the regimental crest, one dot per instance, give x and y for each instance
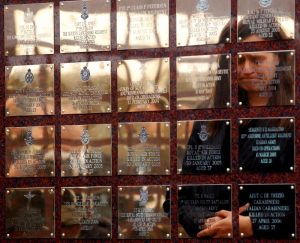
(84, 12)
(29, 77)
(29, 138)
(28, 16)
(85, 137)
(203, 134)
(29, 196)
(143, 136)
(265, 3)
(202, 5)
(143, 197)
(85, 74)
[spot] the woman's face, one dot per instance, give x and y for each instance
(256, 70)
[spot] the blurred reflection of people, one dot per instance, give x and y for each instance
(248, 93)
(261, 83)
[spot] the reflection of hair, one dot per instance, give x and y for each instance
(285, 88)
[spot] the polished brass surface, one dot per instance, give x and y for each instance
(86, 87)
(30, 213)
(29, 151)
(266, 19)
(29, 90)
(86, 213)
(203, 81)
(144, 85)
(85, 26)
(29, 29)
(144, 148)
(141, 212)
(202, 22)
(86, 150)
(142, 24)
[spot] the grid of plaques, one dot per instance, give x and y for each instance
(130, 86)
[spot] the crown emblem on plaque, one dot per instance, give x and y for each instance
(203, 134)
(85, 137)
(202, 5)
(84, 12)
(29, 77)
(28, 16)
(143, 136)
(29, 196)
(29, 138)
(85, 74)
(265, 3)
(143, 197)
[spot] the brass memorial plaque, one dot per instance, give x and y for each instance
(266, 20)
(142, 24)
(203, 146)
(29, 29)
(144, 212)
(144, 85)
(86, 213)
(29, 213)
(85, 26)
(29, 90)
(85, 87)
(86, 150)
(266, 78)
(203, 82)
(29, 151)
(144, 148)
(201, 22)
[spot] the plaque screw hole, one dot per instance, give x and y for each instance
(63, 190)
(52, 172)
(50, 6)
(180, 234)
(240, 38)
(292, 53)
(120, 126)
(167, 235)
(63, 172)
(119, 44)
(7, 174)
(229, 234)
(227, 104)
(51, 234)
(63, 128)
(51, 191)
(6, 7)
(180, 188)
(108, 127)
(63, 234)
(166, 44)
(291, 120)
(292, 101)
(63, 111)
(179, 105)
(167, 124)
(62, 4)
(108, 235)
(168, 189)
(227, 123)
(51, 112)
(241, 188)
(107, 47)
(240, 103)
(7, 235)
(291, 168)
(293, 235)
(241, 168)
(120, 234)
(51, 128)
(108, 172)
(120, 108)
(7, 130)
(167, 106)
(240, 56)
(179, 59)
(179, 124)
(167, 171)
(7, 68)
(166, 60)
(227, 39)
(179, 170)
(120, 189)
(241, 121)
(120, 171)
(108, 190)
(108, 109)
(227, 56)
(6, 52)
(228, 169)
(178, 44)
(229, 188)
(7, 112)
(242, 234)
(7, 192)
(292, 187)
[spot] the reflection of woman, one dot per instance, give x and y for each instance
(223, 218)
(260, 80)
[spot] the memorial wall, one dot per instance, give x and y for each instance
(149, 120)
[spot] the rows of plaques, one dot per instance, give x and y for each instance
(264, 79)
(144, 212)
(85, 26)
(265, 144)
